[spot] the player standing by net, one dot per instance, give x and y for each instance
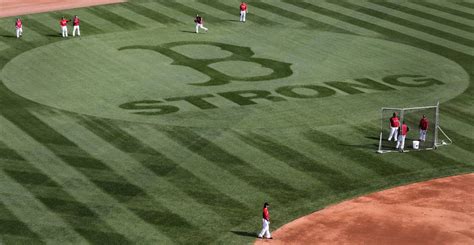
(265, 222)
(19, 28)
(394, 124)
(423, 128)
(63, 23)
(199, 23)
(75, 22)
(401, 138)
(243, 11)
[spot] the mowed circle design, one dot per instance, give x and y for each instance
(256, 81)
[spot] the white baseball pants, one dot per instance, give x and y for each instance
(393, 133)
(243, 14)
(266, 229)
(64, 31)
(200, 26)
(19, 32)
(76, 28)
(422, 135)
(401, 142)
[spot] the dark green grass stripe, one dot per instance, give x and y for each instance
(107, 15)
(85, 27)
(9, 38)
(443, 9)
(188, 10)
(333, 179)
(100, 237)
(154, 15)
(457, 114)
(73, 208)
(164, 167)
(463, 59)
(233, 164)
(407, 23)
(309, 22)
(85, 161)
(425, 15)
(10, 224)
(10, 154)
(235, 11)
(361, 157)
(31, 178)
(460, 140)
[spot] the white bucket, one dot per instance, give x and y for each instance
(416, 144)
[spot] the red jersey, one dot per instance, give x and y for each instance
(76, 21)
(243, 7)
(404, 129)
(63, 22)
(394, 122)
(424, 123)
(266, 214)
(18, 24)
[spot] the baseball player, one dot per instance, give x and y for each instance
(243, 11)
(423, 127)
(394, 124)
(199, 23)
(75, 22)
(266, 223)
(63, 23)
(401, 138)
(19, 28)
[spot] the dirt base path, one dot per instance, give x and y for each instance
(19, 7)
(439, 211)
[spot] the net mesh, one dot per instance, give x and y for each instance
(412, 117)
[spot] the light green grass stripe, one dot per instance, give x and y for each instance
(380, 6)
(158, 16)
(34, 214)
(191, 8)
(313, 11)
(445, 32)
(439, 13)
(44, 24)
(299, 180)
(8, 33)
(425, 15)
(205, 170)
(12, 239)
(175, 13)
(129, 168)
(129, 15)
(457, 7)
(76, 184)
(234, 11)
(398, 28)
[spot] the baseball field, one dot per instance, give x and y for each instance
(143, 131)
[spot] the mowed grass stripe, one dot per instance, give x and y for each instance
(439, 13)
(34, 214)
(457, 113)
(232, 163)
(332, 179)
(425, 15)
(323, 14)
(376, 11)
(167, 169)
(234, 10)
(395, 33)
(84, 190)
(309, 22)
(378, 165)
(465, 4)
(443, 9)
(164, 216)
(191, 12)
(116, 19)
(10, 224)
(151, 14)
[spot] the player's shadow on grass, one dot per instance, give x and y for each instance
(233, 20)
(54, 35)
(366, 146)
(245, 233)
(8, 36)
(188, 31)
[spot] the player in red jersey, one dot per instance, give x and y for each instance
(63, 23)
(75, 22)
(423, 128)
(394, 124)
(19, 28)
(401, 138)
(199, 23)
(243, 11)
(266, 222)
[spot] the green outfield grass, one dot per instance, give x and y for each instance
(142, 131)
